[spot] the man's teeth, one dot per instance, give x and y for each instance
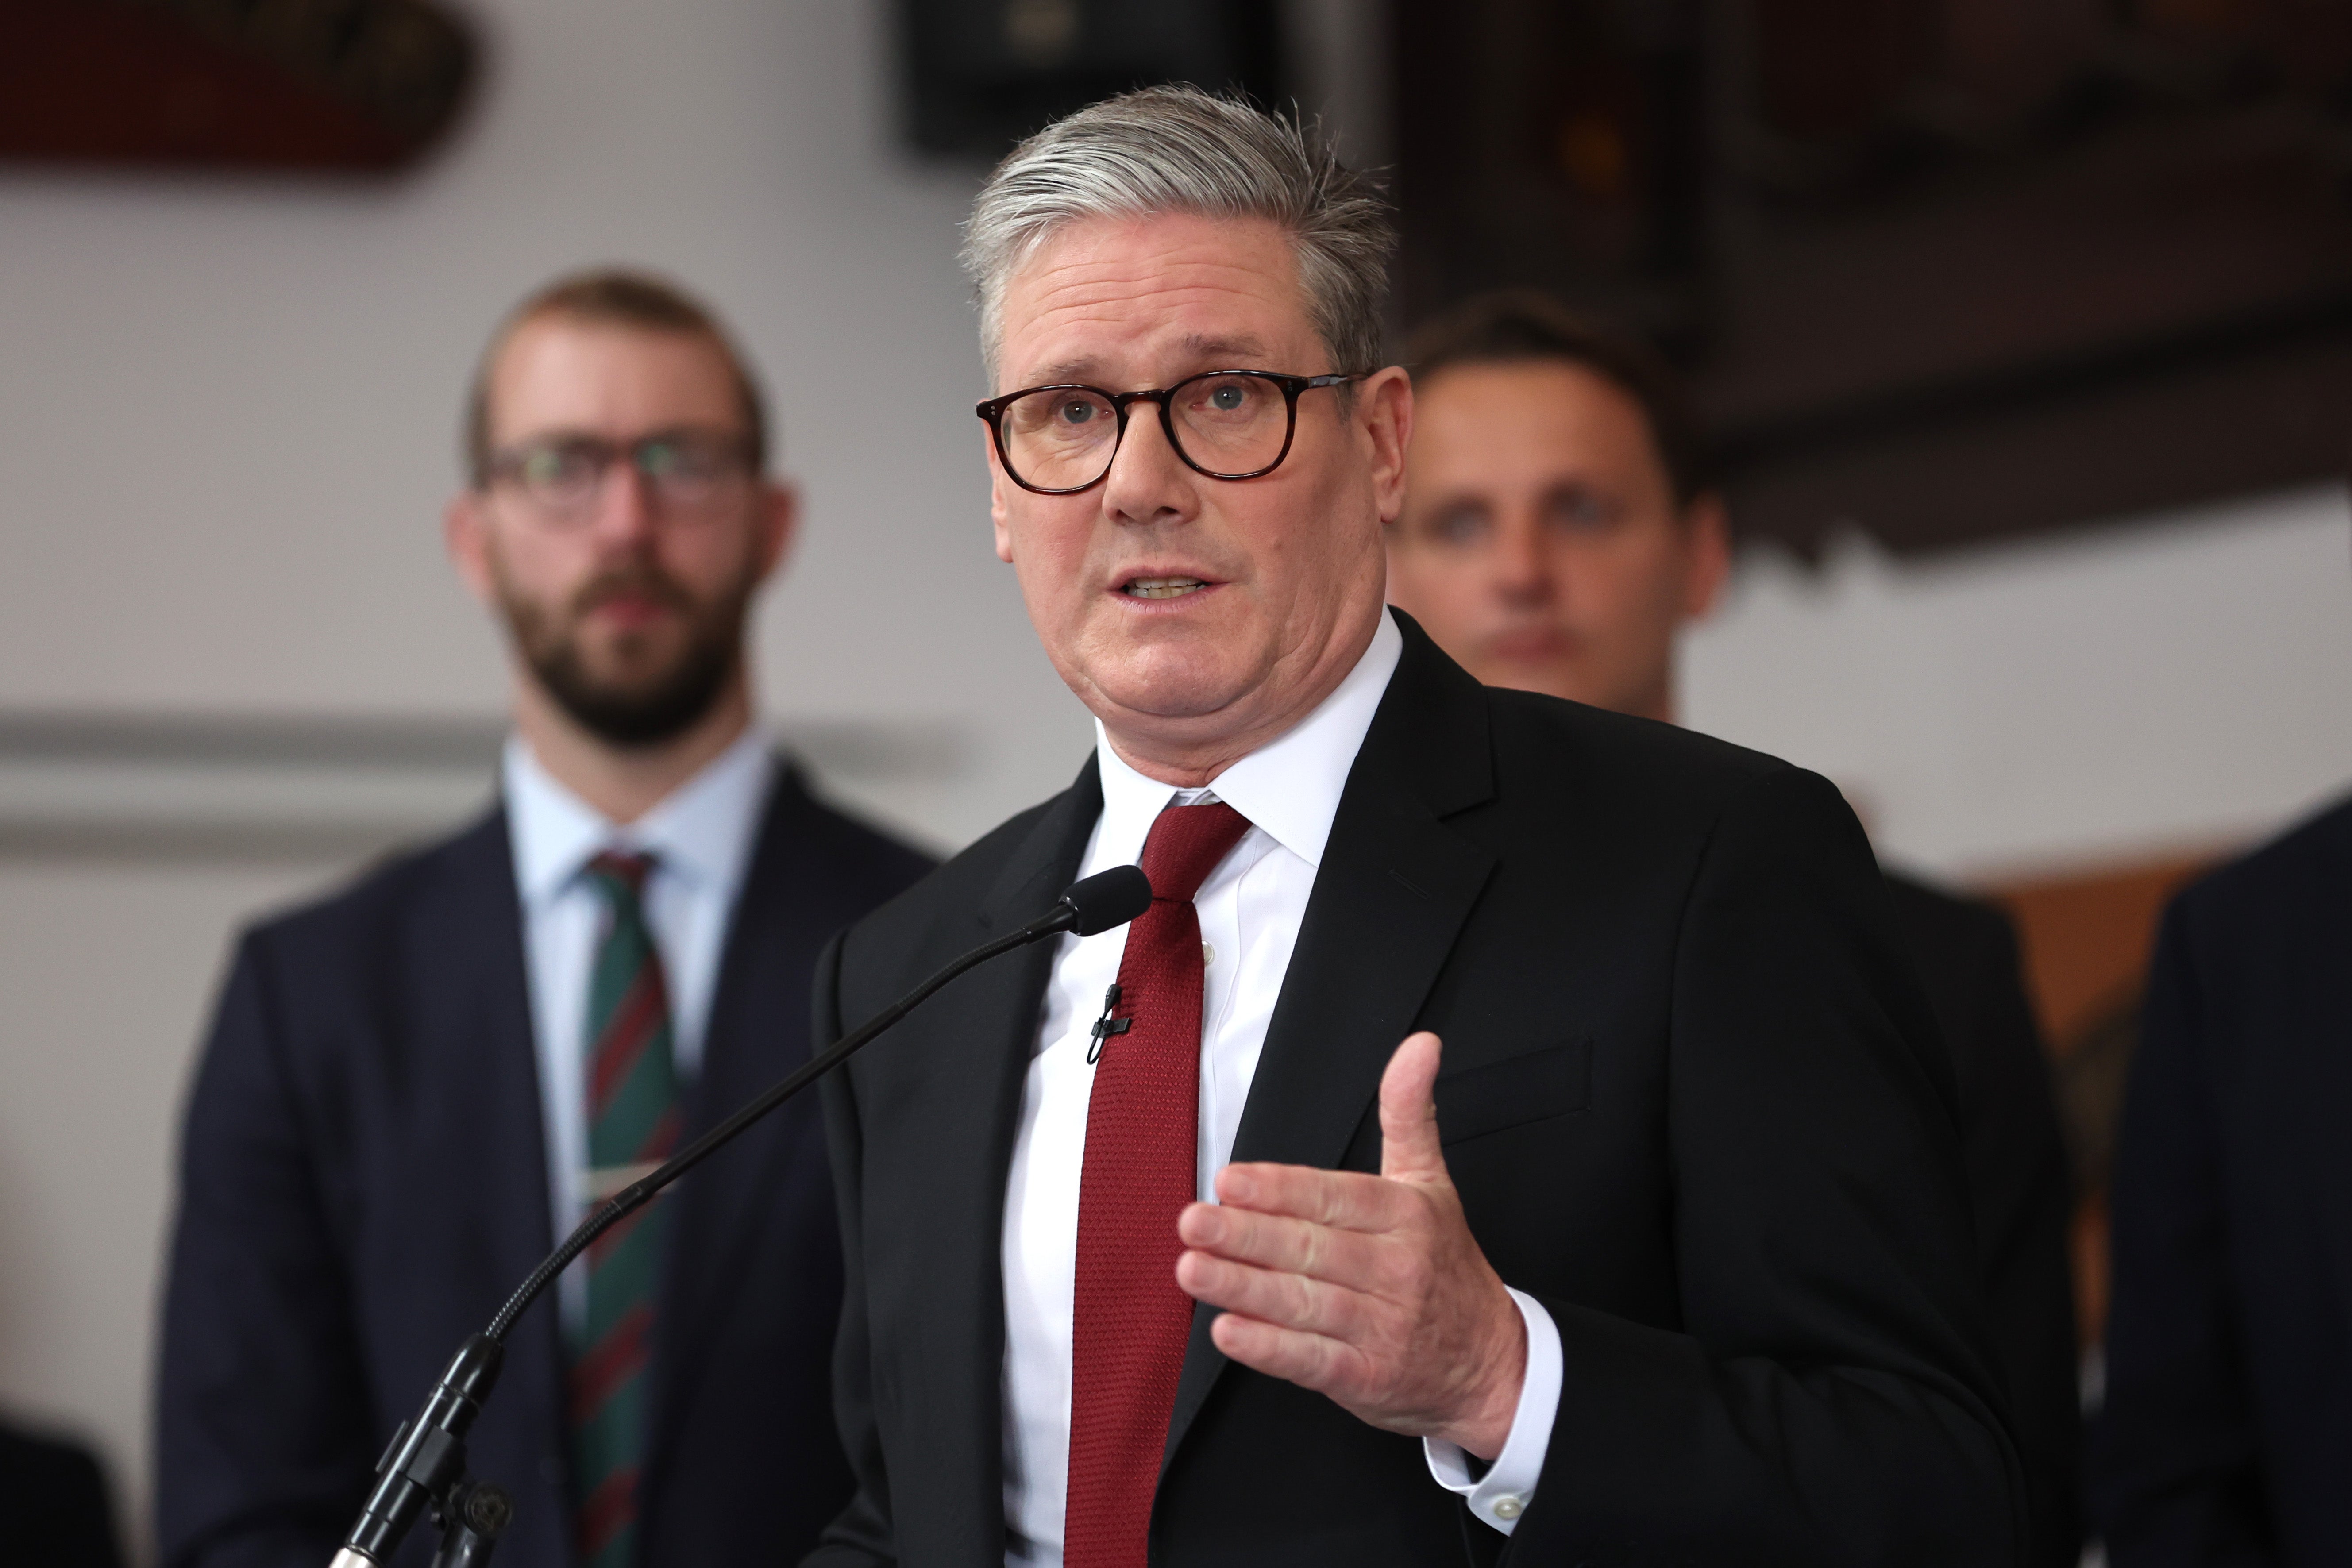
(1163, 587)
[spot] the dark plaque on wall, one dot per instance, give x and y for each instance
(1554, 145)
(1948, 268)
(981, 74)
(287, 84)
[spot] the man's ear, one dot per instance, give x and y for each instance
(1384, 411)
(466, 530)
(779, 523)
(1707, 529)
(997, 497)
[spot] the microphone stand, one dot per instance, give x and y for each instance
(426, 1465)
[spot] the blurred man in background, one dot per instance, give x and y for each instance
(413, 1087)
(2227, 1434)
(1557, 534)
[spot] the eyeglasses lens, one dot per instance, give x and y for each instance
(562, 476)
(1228, 425)
(1060, 440)
(687, 473)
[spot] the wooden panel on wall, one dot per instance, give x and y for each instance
(2088, 937)
(312, 85)
(1950, 269)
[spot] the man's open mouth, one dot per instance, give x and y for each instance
(1161, 587)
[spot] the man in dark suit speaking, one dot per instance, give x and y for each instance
(413, 1087)
(1161, 1246)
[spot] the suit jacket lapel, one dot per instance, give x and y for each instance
(971, 1129)
(754, 1038)
(1393, 890)
(478, 939)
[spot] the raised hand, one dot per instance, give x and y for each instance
(1370, 1289)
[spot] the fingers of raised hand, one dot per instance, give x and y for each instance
(1278, 1241)
(1349, 1199)
(1285, 1300)
(1310, 1359)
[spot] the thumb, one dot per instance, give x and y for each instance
(1409, 1148)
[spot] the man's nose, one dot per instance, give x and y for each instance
(1147, 482)
(1523, 562)
(627, 512)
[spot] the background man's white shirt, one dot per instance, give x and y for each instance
(701, 837)
(1250, 910)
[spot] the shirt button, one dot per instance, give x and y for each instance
(1208, 955)
(1510, 1505)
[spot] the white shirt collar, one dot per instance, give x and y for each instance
(1290, 787)
(701, 832)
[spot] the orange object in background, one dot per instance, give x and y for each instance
(2086, 940)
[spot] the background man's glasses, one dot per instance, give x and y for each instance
(689, 472)
(1225, 424)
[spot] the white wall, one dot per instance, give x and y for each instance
(227, 415)
(229, 410)
(103, 973)
(2174, 683)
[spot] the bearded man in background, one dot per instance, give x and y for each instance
(413, 1087)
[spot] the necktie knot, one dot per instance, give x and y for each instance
(1185, 844)
(621, 873)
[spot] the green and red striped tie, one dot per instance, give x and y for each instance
(632, 1122)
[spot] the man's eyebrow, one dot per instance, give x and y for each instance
(1208, 353)
(1065, 370)
(1228, 351)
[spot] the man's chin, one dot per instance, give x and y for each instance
(1167, 684)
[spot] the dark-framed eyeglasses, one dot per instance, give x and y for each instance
(1224, 423)
(690, 472)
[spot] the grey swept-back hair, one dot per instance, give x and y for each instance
(1162, 150)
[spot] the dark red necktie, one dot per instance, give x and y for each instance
(1142, 1162)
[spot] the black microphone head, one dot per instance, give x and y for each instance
(1108, 899)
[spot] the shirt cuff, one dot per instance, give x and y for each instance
(1500, 1496)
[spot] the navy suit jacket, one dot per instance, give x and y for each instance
(2227, 1436)
(363, 1181)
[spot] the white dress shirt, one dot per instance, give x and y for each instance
(1250, 909)
(700, 838)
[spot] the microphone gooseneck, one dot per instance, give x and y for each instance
(426, 1463)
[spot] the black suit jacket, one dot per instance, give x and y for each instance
(363, 1182)
(1967, 955)
(54, 1511)
(1692, 1098)
(2227, 1434)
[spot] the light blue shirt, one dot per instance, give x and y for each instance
(701, 839)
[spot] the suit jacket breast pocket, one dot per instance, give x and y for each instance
(1545, 1083)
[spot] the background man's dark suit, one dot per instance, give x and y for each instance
(364, 1182)
(2227, 1435)
(1967, 955)
(54, 1511)
(1692, 1098)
